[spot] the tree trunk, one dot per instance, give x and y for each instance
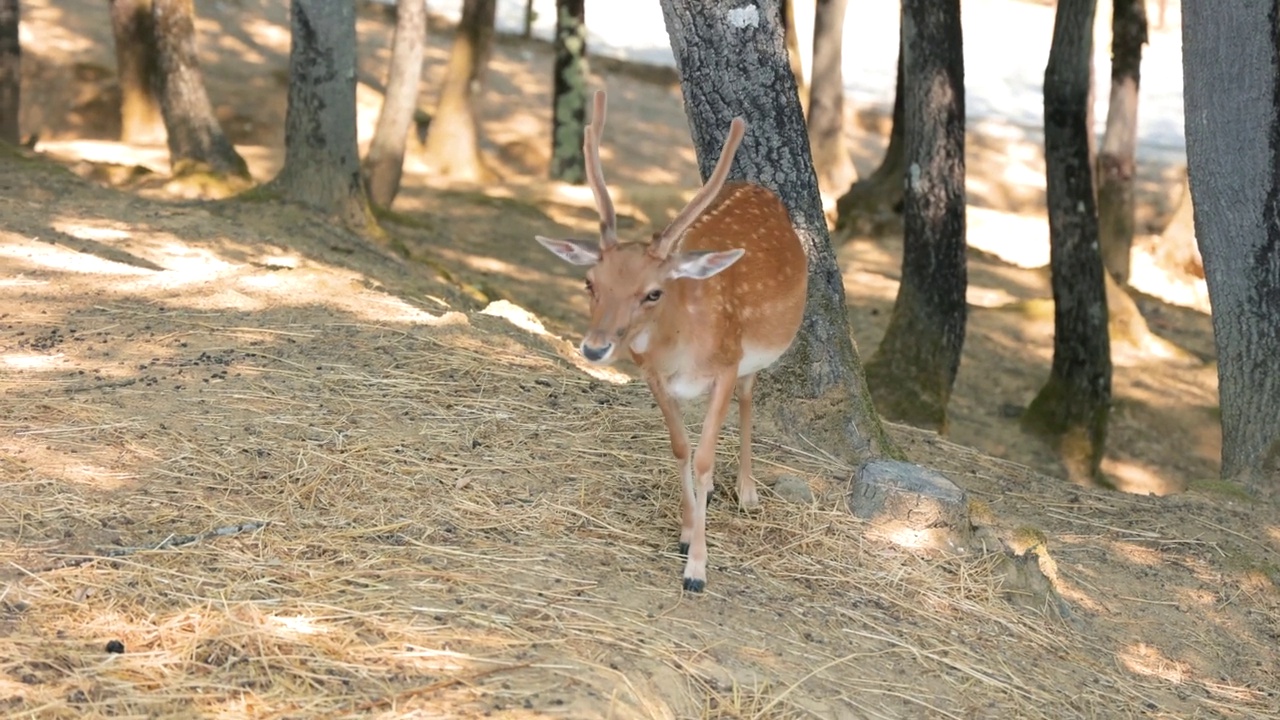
(733, 61)
(385, 161)
(793, 52)
(1073, 406)
(10, 71)
(138, 66)
(196, 140)
(321, 160)
(569, 101)
(914, 369)
(831, 157)
(874, 204)
(1231, 76)
(453, 149)
(526, 32)
(1116, 161)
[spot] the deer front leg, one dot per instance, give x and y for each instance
(695, 568)
(674, 421)
(748, 497)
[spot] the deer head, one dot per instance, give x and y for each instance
(627, 280)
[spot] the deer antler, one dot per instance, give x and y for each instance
(595, 174)
(666, 240)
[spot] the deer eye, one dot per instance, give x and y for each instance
(653, 296)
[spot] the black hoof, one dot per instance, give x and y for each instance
(692, 585)
(684, 549)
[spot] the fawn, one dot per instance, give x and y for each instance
(706, 304)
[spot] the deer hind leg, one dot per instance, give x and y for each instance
(674, 420)
(695, 568)
(748, 497)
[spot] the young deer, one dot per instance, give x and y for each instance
(704, 306)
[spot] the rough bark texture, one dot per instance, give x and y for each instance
(914, 369)
(831, 158)
(196, 140)
(321, 161)
(793, 52)
(453, 148)
(874, 204)
(384, 163)
(732, 61)
(138, 67)
(1117, 163)
(1231, 71)
(1073, 407)
(569, 99)
(10, 71)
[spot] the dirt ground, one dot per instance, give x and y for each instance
(295, 476)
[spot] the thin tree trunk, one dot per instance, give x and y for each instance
(569, 100)
(1231, 78)
(138, 67)
(526, 31)
(793, 52)
(733, 61)
(384, 163)
(1117, 163)
(831, 157)
(452, 148)
(874, 203)
(10, 71)
(321, 160)
(1073, 407)
(914, 369)
(196, 140)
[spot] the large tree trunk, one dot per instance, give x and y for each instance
(912, 372)
(569, 100)
(733, 61)
(196, 140)
(453, 148)
(138, 67)
(874, 204)
(1117, 160)
(1231, 71)
(831, 157)
(1073, 407)
(10, 71)
(321, 160)
(384, 163)
(793, 52)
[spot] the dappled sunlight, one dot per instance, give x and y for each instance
(1016, 239)
(1135, 477)
(1144, 659)
(35, 362)
(268, 34)
(46, 256)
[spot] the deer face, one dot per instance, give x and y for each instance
(627, 282)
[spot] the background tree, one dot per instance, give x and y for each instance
(196, 140)
(321, 160)
(1231, 77)
(452, 148)
(875, 201)
(733, 61)
(792, 37)
(138, 68)
(569, 97)
(1073, 406)
(1117, 164)
(384, 162)
(831, 158)
(10, 71)
(914, 369)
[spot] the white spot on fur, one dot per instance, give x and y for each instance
(748, 16)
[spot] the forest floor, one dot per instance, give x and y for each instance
(297, 476)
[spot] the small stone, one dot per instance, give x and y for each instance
(793, 489)
(115, 647)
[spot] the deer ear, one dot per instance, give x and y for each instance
(701, 265)
(578, 252)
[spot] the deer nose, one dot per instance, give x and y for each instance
(596, 354)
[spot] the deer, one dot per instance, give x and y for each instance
(700, 308)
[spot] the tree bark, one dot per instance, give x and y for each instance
(321, 160)
(1073, 407)
(452, 148)
(875, 203)
(10, 71)
(196, 140)
(1117, 163)
(831, 157)
(793, 52)
(732, 61)
(1231, 79)
(138, 67)
(914, 369)
(569, 99)
(384, 163)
